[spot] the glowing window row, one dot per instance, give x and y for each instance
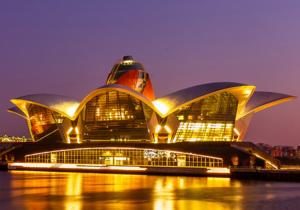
(126, 157)
(190, 131)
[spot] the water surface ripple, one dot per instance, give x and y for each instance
(76, 191)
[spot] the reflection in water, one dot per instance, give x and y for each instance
(73, 191)
(163, 194)
(168, 191)
(77, 191)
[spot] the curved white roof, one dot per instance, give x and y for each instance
(249, 101)
(61, 104)
(70, 107)
(261, 100)
(17, 111)
(171, 102)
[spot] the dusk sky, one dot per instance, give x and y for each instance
(69, 47)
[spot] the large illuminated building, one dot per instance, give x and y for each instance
(123, 124)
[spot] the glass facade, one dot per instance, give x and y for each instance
(210, 119)
(125, 157)
(42, 121)
(116, 116)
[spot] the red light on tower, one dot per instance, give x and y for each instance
(132, 74)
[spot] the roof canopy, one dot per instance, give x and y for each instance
(263, 100)
(60, 104)
(249, 101)
(174, 101)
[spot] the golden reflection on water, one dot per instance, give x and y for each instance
(73, 192)
(165, 191)
(77, 191)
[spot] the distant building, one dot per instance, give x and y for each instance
(289, 151)
(7, 138)
(298, 152)
(280, 151)
(265, 147)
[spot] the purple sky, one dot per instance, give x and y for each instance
(69, 47)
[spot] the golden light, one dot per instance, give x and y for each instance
(157, 129)
(74, 166)
(162, 107)
(68, 135)
(267, 161)
(129, 148)
(127, 62)
(218, 170)
(168, 129)
(237, 131)
(198, 128)
(73, 188)
(68, 107)
(71, 110)
(77, 135)
(248, 92)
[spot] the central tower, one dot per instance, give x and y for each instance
(131, 73)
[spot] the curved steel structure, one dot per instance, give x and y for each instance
(263, 100)
(174, 101)
(57, 103)
(205, 117)
(17, 111)
(113, 87)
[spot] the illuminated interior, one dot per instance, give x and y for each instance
(208, 131)
(210, 119)
(116, 116)
(42, 121)
(125, 157)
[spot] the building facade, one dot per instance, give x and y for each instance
(125, 110)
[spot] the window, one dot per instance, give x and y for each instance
(210, 119)
(125, 157)
(116, 116)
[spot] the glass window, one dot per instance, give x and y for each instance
(126, 157)
(210, 119)
(116, 116)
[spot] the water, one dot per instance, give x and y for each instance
(76, 191)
